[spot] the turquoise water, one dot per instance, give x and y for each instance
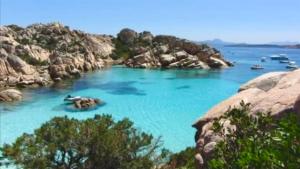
(162, 102)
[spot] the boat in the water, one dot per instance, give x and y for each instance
(292, 66)
(292, 62)
(263, 59)
(256, 67)
(70, 98)
(284, 61)
(279, 57)
(287, 61)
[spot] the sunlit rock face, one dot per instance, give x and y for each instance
(275, 92)
(41, 53)
(10, 95)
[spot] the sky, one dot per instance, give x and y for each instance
(252, 21)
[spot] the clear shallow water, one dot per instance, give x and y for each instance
(164, 103)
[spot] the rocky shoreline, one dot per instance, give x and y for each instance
(167, 52)
(275, 92)
(42, 54)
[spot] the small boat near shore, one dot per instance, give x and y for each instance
(279, 57)
(284, 61)
(287, 61)
(292, 66)
(256, 67)
(71, 99)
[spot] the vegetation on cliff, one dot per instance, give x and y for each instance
(258, 141)
(250, 142)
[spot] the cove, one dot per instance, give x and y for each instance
(161, 102)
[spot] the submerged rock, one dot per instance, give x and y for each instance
(276, 92)
(10, 95)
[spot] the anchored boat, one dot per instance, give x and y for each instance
(256, 67)
(279, 57)
(70, 98)
(292, 66)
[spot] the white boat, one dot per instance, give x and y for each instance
(256, 67)
(292, 66)
(279, 57)
(284, 61)
(69, 98)
(292, 62)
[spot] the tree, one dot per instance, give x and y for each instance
(258, 141)
(98, 142)
(182, 160)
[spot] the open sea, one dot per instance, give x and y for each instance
(161, 102)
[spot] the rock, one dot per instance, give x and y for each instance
(127, 36)
(276, 92)
(199, 159)
(10, 95)
(217, 63)
(19, 65)
(264, 82)
(166, 59)
(86, 103)
(24, 53)
(297, 106)
(168, 52)
(146, 36)
(208, 148)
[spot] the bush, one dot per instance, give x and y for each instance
(99, 142)
(28, 59)
(121, 50)
(182, 160)
(258, 142)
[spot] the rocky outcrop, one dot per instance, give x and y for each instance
(148, 51)
(86, 103)
(277, 92)
(42, 53)
(10, 95)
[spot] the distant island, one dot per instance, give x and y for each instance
(220, 42)
(297, 46)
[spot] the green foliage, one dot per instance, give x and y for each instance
(258, 141)
(121, 50)
(28, 59)
(99, 142)
(182, 160)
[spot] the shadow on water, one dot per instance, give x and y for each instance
(183, 87)
(112, 87)
(71, 108)
(194, 74)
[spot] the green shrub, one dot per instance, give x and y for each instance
(121, 50)
(28, 59)
(182, 160)
(258, 142)
(98, 142)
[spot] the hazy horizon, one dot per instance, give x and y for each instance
(234, 21)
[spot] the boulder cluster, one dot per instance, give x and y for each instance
(42, 53)
(275, 92)
(10, 95)
(86, 103)
(148, 51)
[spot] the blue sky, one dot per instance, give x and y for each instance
(254, 21)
